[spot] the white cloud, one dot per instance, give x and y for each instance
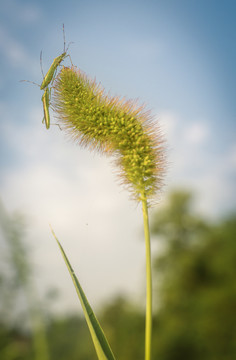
(232, 157)
(196, 133)
(96, 223)
(169, 122)
(13, 50)
(76, 192)
(27, 13)
(216, 190)
(193, 165)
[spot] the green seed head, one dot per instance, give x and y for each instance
(114, 126)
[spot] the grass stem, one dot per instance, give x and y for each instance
(148, 326)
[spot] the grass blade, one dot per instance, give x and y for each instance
(101, 344)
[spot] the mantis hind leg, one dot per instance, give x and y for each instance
(70, 60)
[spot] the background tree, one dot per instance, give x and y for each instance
(196, 284)
(18, 288)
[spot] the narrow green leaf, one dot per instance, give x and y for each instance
(101, 344)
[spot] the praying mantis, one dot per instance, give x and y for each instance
(46, 103)
(48, 80)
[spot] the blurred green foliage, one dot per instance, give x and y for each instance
(195, 296)
(196, 274)
(19, 306)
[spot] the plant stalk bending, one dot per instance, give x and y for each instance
(148, 326)
(119, 128)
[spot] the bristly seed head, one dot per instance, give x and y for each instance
(114, 126)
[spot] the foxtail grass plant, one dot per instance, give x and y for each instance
(126, 132)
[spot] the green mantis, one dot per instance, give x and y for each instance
(48, 81)
(46, 103)
(50, 76)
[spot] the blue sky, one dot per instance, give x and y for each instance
(177, 57)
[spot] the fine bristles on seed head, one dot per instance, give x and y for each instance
(113, 126)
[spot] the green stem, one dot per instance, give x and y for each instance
(148, 327)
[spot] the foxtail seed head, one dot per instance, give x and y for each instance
(114, 126)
